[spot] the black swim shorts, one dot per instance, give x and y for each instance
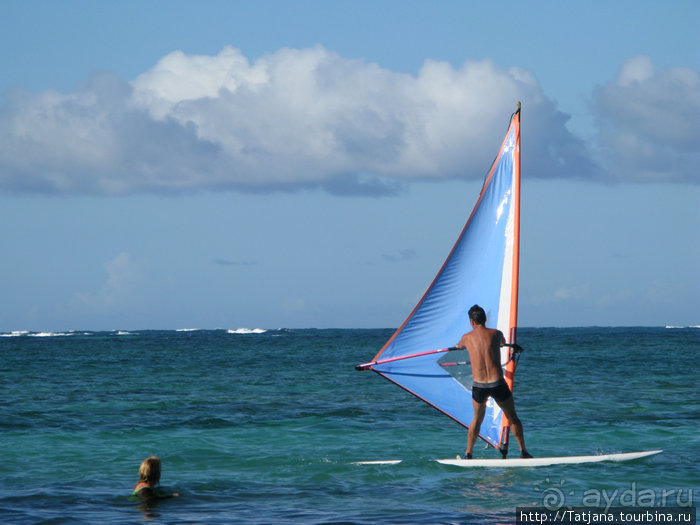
(498, 390)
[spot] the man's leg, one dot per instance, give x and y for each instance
(508, 407)
(475, 426)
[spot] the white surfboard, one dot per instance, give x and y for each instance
(541, 462)
(379, 462)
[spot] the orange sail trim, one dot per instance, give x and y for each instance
(513, 324)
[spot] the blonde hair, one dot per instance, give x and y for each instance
(149, 471)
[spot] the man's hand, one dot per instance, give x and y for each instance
(516, 347)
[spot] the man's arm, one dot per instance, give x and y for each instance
(462, 345)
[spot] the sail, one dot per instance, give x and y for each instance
(482, 268)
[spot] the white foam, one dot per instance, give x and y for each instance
(187, 329)
(247, 331)
(15, 333)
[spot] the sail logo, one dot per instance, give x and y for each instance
(509, 143)
(502, 206)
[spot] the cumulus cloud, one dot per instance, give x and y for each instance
(93, 142)
(564, 294)
(649, 122)
(124, 276)
(308, 118)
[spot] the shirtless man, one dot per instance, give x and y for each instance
(484, 347)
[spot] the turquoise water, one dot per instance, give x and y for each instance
(264, 427)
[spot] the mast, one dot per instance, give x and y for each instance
(515, 279)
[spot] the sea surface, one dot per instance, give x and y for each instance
(264, 427)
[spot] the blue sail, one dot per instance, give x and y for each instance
(482, 268)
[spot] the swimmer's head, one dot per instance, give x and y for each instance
(149, 471)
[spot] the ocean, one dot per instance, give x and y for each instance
(265, 427)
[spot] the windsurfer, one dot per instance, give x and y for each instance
(483, 345)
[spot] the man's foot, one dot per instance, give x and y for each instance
(468, 455)
(525, 454)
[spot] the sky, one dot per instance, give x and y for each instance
(229, 164)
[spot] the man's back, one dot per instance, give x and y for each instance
(484, 346)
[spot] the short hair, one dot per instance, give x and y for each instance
(149, 471)
(477, 314)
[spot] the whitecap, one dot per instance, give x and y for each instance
(15, 333)
(247, 331)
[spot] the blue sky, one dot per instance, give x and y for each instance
(310, 164)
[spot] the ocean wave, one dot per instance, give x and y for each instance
(691, 326)
(187, 329)
(27, 333)
(15, 333)
(247, 331)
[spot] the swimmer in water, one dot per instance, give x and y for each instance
(149, 478)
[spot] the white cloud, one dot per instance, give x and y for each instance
(650, 122)
(124, 276)
(572, 293)
(92, 142)
(564, 294)
(312, 118)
